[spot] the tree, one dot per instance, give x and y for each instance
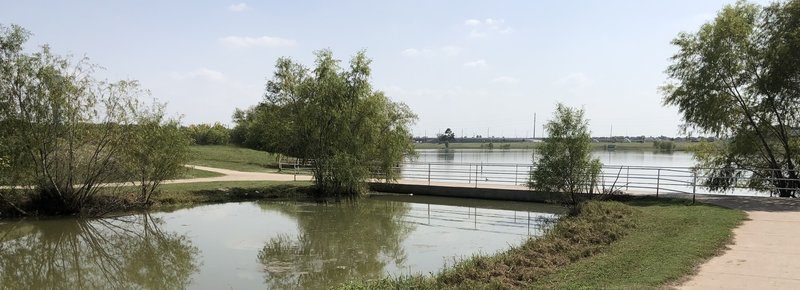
(446, 137)
(64, 132)
(738, 78)
(157, 152)
(565, 158)
(333, 117)
(205, 134)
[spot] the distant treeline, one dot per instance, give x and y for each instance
(205, 134)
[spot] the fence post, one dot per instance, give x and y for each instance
(628, 178)
(295, 172)
(694, 187)
(516, 170)
(429, 174)
(658, 181)
(476, 175)
(469, 173)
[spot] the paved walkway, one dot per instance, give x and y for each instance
(764, 253)
(233, 175)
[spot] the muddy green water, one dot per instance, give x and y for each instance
(258, 245)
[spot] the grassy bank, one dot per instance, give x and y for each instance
(679, 146)
(640, 243)
(231, 157)
(176, 196)
(188, 194)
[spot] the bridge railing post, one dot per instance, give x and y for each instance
(429, 174)
(658, 181)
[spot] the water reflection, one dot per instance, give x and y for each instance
(335, 243)
(129, 252)
(446, 155)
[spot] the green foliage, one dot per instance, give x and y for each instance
(63, 132)
(664, 145)
(738, 77)
(204, 134)
(565, 160)
(261, 128)
(446, 137)
(332, 116)
(157, 151)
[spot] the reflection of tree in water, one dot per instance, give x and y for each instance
(121, 253)
(446, 154)
(336, 243)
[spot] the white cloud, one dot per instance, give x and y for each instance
(477, 34)
(262, 41)
(505, 80)
(575, 81)
(201, 73)
(475, 64)
(472, 22)
(426, 52)
(482, 28)
(410, 52)
(241, 7)
(451, 50)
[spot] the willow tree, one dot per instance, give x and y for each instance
(738, 77)
(332, 116)
(64, 134)
(565, 162)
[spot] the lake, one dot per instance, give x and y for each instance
(256, 245)
(629, 170)
(524, 156)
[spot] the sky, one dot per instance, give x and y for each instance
(478, 67)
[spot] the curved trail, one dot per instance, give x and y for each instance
(233, 175)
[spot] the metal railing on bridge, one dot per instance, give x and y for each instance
(627, 178)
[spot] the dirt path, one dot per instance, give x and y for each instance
(233, 175)
(764, 254)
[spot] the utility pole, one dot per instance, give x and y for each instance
(534, 126)
(611, 134)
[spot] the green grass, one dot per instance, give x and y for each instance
(187, 194)
(234, 158)
(197, 173)
(643, 243)
(679, 146)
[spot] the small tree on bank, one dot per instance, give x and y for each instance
(738, 77)
(332, 116)
(447, 137)
(157, 152)
(565, 162)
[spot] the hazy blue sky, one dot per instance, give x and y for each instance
(468, 65)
